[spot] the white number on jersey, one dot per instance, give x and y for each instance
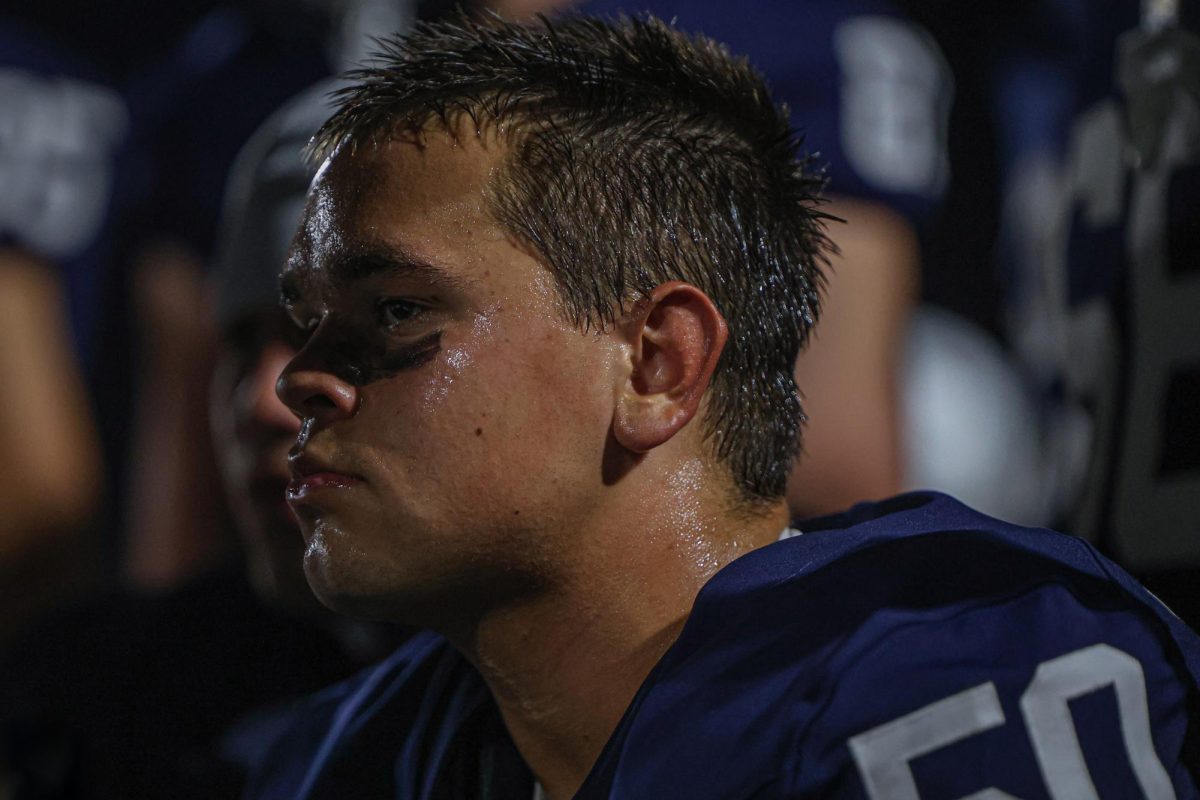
(883, 753)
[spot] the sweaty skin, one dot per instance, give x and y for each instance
(364, 362)
(540, 494)
(357, 354)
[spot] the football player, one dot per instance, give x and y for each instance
(551, 284)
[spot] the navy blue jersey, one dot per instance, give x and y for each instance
(907, 649)
(1101, 253)
(868, 89)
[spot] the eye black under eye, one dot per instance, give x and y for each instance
(393, 311)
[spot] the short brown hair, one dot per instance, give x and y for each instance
(638, 156)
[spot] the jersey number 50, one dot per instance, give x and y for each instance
(883, 753)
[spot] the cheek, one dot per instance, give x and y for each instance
(444, 374)
(540, 409)
(503, 408)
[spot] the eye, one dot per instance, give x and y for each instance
(394, 311)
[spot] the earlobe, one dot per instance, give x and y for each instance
(677, 336)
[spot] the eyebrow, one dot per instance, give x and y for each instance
(367, 262)
(386, 259)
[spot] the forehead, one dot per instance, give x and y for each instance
(421, 200)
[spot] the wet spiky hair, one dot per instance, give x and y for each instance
(636, 155)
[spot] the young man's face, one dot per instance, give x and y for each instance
(454, 423)
(252, 432)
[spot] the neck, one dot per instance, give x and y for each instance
(563, 666)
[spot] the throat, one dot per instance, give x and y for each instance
(564, 665)
(562, 697)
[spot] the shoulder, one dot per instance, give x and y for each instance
(1019, 694)
(927, 550)
(990, 639)
(918, 637)
(956, 643)
(326, 728)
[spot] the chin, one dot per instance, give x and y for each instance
(345, 587)
(352, 591)
(328, 582)
(341, 600)
(440, 591)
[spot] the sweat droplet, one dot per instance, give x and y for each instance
(306, 427)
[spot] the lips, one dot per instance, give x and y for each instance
(311, 475)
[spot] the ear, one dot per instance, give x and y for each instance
(677, 335)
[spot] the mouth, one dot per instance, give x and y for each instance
(311, 475)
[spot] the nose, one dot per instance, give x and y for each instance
(311, 391)
(265, 406)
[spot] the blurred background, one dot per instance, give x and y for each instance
(1013, 318)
